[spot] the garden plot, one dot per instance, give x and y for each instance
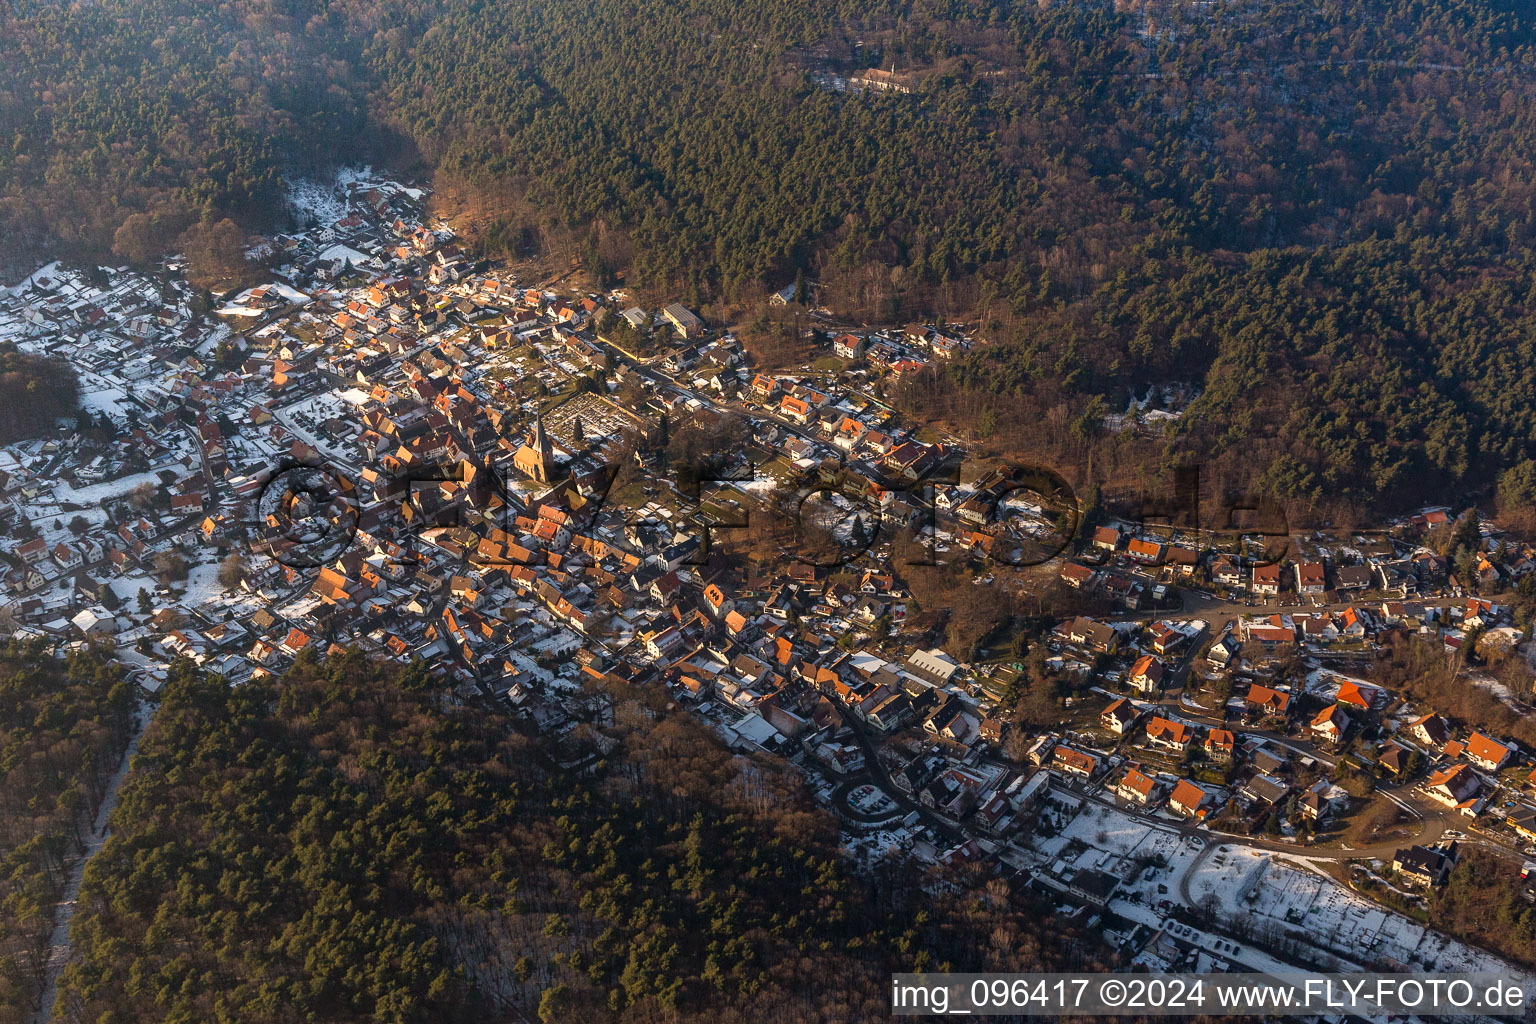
(1101, 837)
(870, 849)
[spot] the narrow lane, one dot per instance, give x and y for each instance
(64, 910)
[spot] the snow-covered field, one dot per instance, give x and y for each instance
(95, 494)
(51, 272)
(1325, 682)
(1301, 914)
(344, 252)
(1281, 893)
(203, 585)
(101, 395)
(758, 485)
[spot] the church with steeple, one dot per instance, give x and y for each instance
(536, 459)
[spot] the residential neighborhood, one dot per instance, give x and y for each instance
(398, 447)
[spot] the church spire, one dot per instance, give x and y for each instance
(540, 442)
(536, 459)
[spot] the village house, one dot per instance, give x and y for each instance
(1457, 787)
(1120, 717)
(1184, 560)
(1170, 735)
(717, 602)
(663, 644)
(1310, 578)
(1220, 744)
(1430, 730)
(932, 666)
(1136, 788)
(1522, 819)
(1354, 577)
(1147, 674)
(1220, 654)
(1330, 724)
(1166, 639)
(683, 320)
(1354, 695)
(1267, 579)
(1317, 805)
(1264, 789)
(1427, 866)
(1393, 758)
(1189, 800)
(848, 346)
(1487, 753)
(33, 551)
(1270, 631)
(1085, 632)
(1225, 571)
(1074, 762)
(66, 556)
(1267, 701)
(1078, 577)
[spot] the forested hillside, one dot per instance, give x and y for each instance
(1240, 197)
(35, 391)
(63, 727)
(342, 846)
(164, 108)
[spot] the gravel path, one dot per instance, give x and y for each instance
(64, 911)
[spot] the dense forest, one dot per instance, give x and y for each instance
(1482, 903)
(63, 728)
(35, 392)
(345, 845)
(1317, 215)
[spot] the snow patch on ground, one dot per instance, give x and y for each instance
(100, 396)
(759, 485)
(322, 202)
(343, 252)
(95, 494)
(48, 273)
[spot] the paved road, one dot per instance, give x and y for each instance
(1218, 614)
(202, 456)
(877, 771)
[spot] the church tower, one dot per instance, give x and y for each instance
(536, 459)
(542, 445)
